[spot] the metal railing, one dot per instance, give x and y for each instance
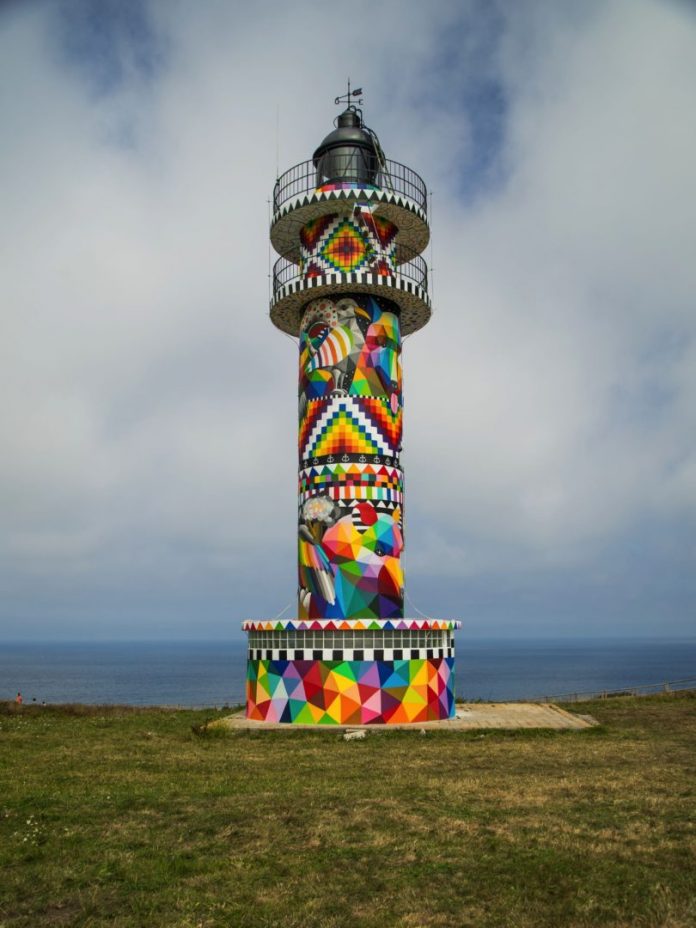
(410, 265)
(638, 689)
(391, 176)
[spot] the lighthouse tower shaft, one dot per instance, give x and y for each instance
(350, 227)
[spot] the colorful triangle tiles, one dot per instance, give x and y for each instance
(350, 692)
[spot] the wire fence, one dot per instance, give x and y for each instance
(236, 703)
(639, 689)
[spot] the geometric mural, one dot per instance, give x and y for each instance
(352, 481)
(338, 425)
(350, 485)
(334, 477)
(358, 241)
(350, 346)
(331, 692)
(343, 571)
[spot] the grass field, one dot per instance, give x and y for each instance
(124, 817)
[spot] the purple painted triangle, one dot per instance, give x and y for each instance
(371, 675)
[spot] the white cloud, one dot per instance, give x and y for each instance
(565, 302)
(148, 405)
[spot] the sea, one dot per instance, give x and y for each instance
(211, 673)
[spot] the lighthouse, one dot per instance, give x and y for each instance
(350, 227)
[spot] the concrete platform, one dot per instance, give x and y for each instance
(501, 715)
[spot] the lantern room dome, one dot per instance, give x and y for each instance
(348, 154)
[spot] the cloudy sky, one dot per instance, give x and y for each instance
(148, 406)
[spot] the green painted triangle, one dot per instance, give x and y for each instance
(304, 715)
(344, 669)
(352, 568)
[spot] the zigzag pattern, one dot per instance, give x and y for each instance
(350, 425)
(355, 473)
(361, 625)
(363, 193)
(353, 482)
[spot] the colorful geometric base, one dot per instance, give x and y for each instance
(325, 692)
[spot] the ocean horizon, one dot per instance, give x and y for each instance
(212, 672)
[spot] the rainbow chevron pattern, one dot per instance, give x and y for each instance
(328, 692)
(350, 425)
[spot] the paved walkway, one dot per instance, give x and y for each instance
(469, 716)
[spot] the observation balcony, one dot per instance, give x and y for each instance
(394, 192)
(406, 285)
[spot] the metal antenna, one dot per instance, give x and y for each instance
(277, 140)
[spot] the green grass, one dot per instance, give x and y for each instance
(111, 816)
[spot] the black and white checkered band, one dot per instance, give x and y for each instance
(348, 654)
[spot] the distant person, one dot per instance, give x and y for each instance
(18, 699)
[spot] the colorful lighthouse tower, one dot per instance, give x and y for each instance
(350, 227)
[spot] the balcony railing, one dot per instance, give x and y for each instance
(302, 178)
(411, 266)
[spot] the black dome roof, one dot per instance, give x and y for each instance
(348, 134)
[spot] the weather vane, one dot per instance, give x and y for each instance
(346, 97)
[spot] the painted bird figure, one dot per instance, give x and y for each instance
(328, 351)
(347, 573)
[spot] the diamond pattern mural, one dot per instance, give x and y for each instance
(342, 243)
(345, 249)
